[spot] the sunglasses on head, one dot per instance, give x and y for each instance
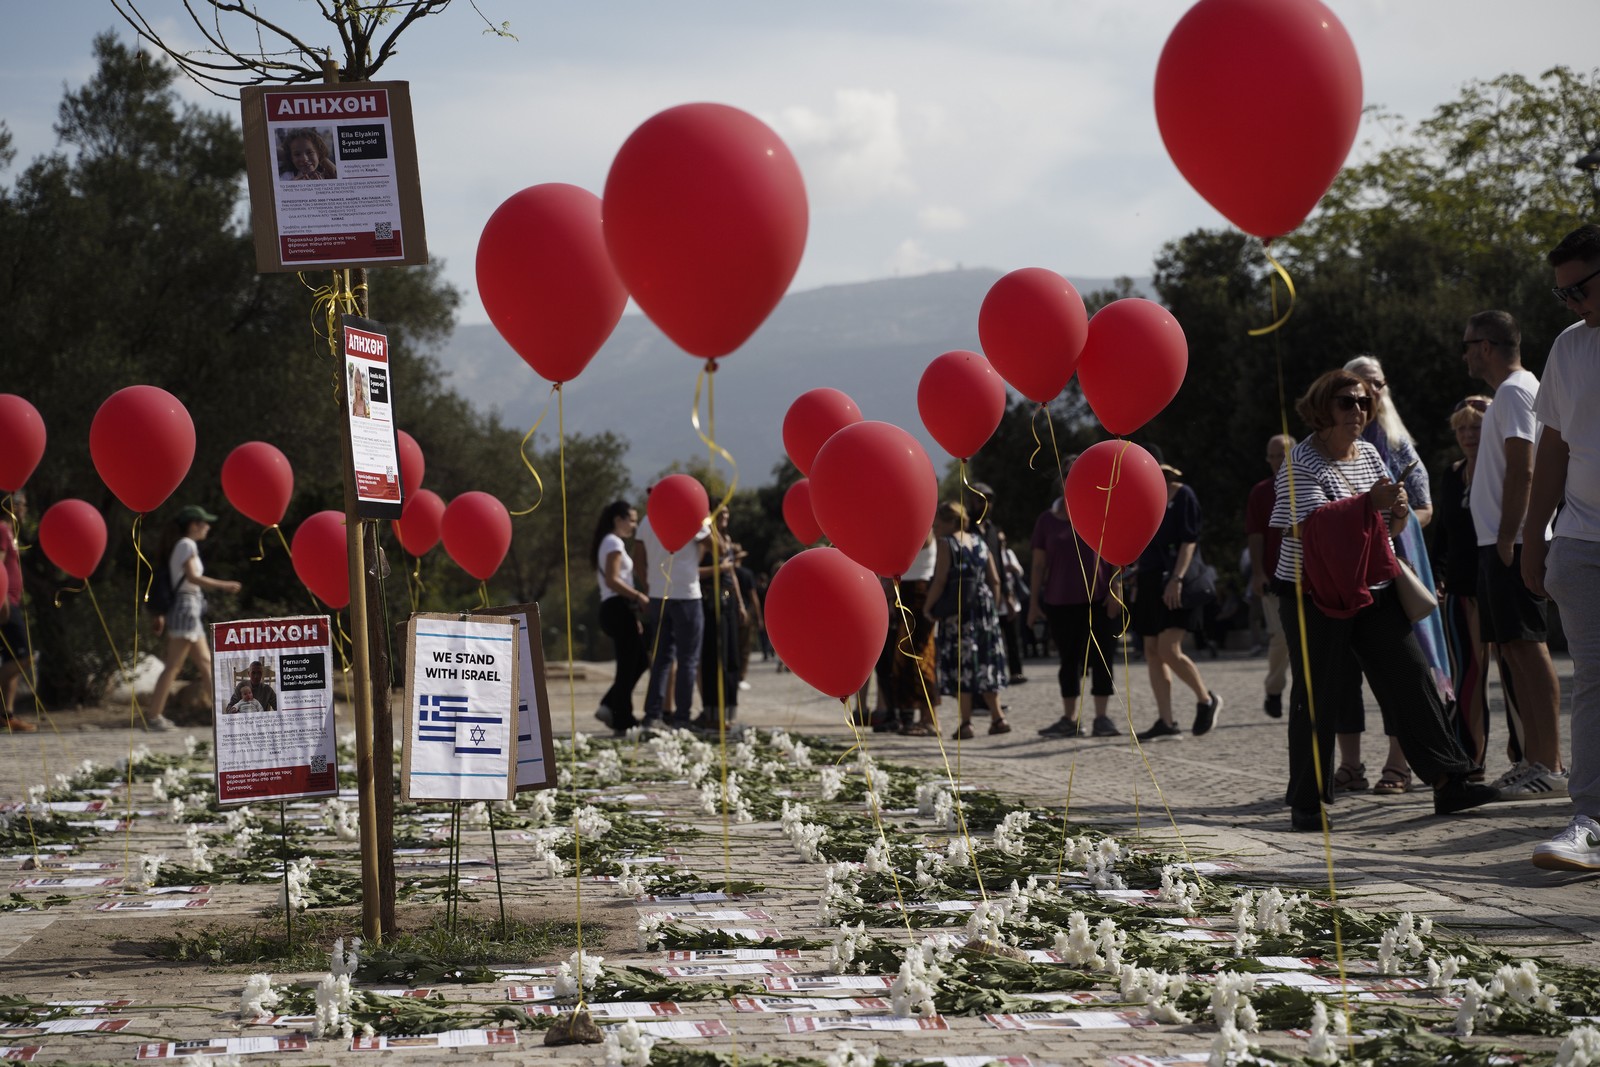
(1476, 403)
(1349, 403)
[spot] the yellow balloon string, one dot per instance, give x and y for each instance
(704, 379)
(1288, 284)
(875, 804)
(261, 544)
(414, 584)
(342, 645)
(1066, 809)
(522, 452)
(138, 551)
(16, 525)
(483, 594)
(1033, 428)
(708, 376)
(944, 755)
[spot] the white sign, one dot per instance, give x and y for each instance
(536, 755)
(369, 416)
(461, 707)
(275, 733)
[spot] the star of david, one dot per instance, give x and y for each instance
(478, 734)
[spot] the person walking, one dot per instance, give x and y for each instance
(183, 624)
(1567, 470)
(1263, 542)
(971, 654)
(14, 649)
(1338, 526)
(620, 604)
(1079, 594)
(674, 626)
(725, 611)
(1160, 616)
(1509, 616)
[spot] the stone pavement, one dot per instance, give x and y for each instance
(1224, 791)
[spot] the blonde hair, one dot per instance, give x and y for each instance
(1384, 412)
(1470, 412)
(952, 511)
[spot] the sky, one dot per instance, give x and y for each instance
(931, 133)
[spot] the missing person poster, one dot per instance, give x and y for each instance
(275, 735)
(333, 176)
(461, 708)
(536, 753)
(369, 415)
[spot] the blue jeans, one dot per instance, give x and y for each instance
(675, 634)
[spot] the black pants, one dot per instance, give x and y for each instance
(1071, 626)
(621, 623)
(719, 655)
(1380, 641)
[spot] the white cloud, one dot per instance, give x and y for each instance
(912, 258)
(856, 151)
(942, 217)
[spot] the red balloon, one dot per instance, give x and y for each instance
(1116, 497)
(961, 400)
(815, 416)
(874, 494)
(677, 507)
(1032, 326)
(797, 513)
(411, 464)
(827, 618)
(142, 442)
(321, 558)
(705, 219)
(476, 529)
(258, 482)
(418, 524)
(73, 534)
(21, 441)
(546, 280)
(1133, 363)
(1263, 156)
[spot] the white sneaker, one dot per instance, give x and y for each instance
(158, 724)
(744, 686)
(1512, 775)
(1577, 848)
(603, 713)
(1536, 783)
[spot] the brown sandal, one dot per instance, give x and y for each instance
(1348, 779)
(1393, 782)
(999, 726)
(916, 729)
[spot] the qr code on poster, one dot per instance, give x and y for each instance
(319, 764)
(383, 231)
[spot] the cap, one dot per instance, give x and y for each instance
(1167, 468)
(194, 513)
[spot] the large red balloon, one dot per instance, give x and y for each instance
(961, 400)
(797, 513)
(1116, 497)
(73, 534)
(142, 442)
(705, 219)
(321, 558)
(815, 416)
(418, 524)
(677, 507)
(476, 529)
(258, 481)
(21, 441)
(1262, 153)
(827, 618)
(1133, 363)
(1032, 326)
(546, 281)
(411, 464)
(874, 494)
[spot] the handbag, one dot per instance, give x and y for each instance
(965, 585)
(1416, 599)
(1199, 583)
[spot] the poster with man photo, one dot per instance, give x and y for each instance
(275, 734)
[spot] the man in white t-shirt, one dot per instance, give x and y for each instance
(1509, 616)
(1567, 469)
(675, 624)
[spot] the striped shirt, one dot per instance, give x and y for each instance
(1318, 480)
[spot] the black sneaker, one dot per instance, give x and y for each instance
(1063, 727)
(1205, 715)
(1161, 730)
(1458, 794)
(1273, 706)
(1305, 821)
(1104, 727)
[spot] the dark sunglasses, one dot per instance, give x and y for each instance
(1349, 403)
(1574, 292)
(1473, 402)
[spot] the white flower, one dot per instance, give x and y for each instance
(1324, 1044)
(1442, 973)
(1228, 1000)
(743, 755)
(343, 963)
(956, 854)
(580, 970)
(1580, 1049)
(158, 789)
(1157, 990)
(877, 858)
(199, 851)
(914, 987)
(259, 998)
(1174, 890)
(138, 755)
(845, 1054)
(986, 922)
(191, 745)
(590, 822)
(628, 1046)
(1008, 836)
(543, 808)
(475, 816)
(1229, 1045)
(1473, 996)
(1076, 946)
(629, 882)
(1099, 865)
(851, 941)
(1521, 984)
(333, 1005)
(831, 780)
(608, 766)
(555, 866)
(149, 869)
(1112, 942)
(340, 818)
(1275, 912)
(297, 883)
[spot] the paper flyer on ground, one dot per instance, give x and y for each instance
(19, 1053)
(369, 411)
(810, 1024)
(447, 1039)
(536, 754)
(333, 176)
(275, 733)
(1069, 1020)
(677, 1029)
(461, 703)
(220, 1046)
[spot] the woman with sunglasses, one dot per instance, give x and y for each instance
(1368, 631)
